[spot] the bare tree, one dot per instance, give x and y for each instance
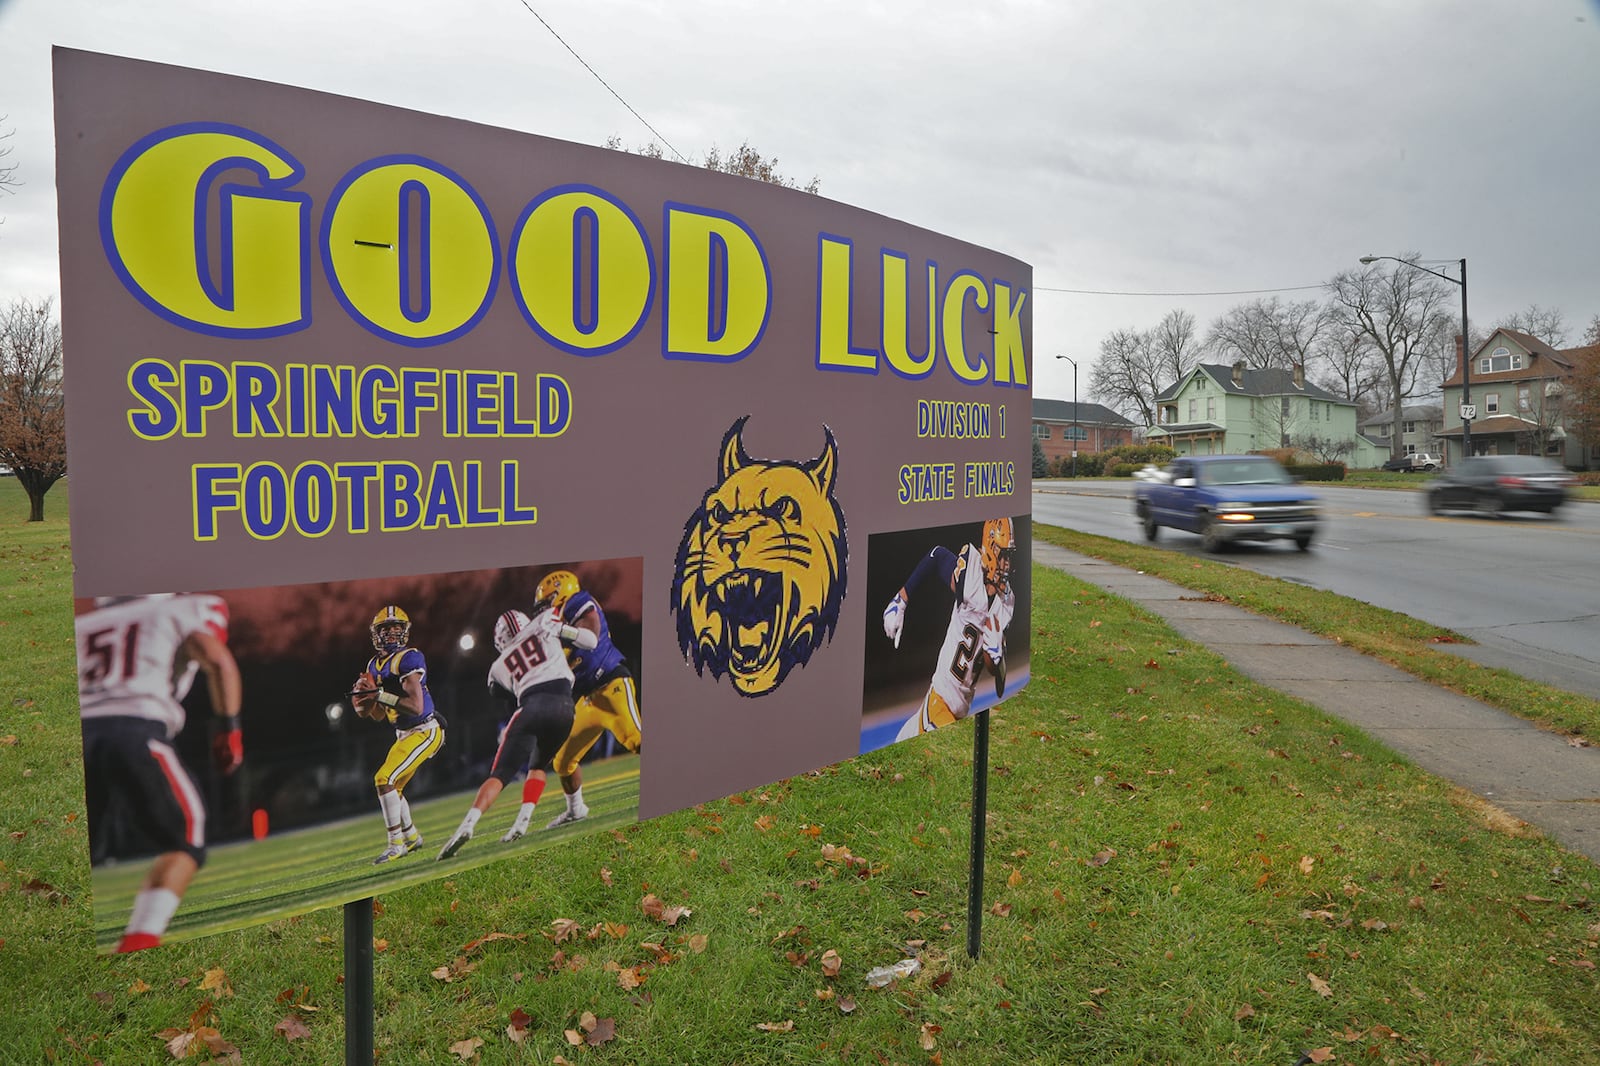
(1324, 449)
(1582, 399)
(33, 425)
(1268, 333)
(8, 171)
(1175, 345)
(1404, 314)
(1347, 365)
(1128, 374)
(1547, 324)
(1592, 334)
(744, 161)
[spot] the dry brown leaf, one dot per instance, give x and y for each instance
(831, 963)
(565, 929)
(291, 1028)
(1376, 925)
(603, 1031)
(629, 979)
(605, 877)
(1321, 1054)
(216, 981)
(466, 1049)
(927, 1034)
(1319, 986)
(1100, 858)
(1244, 1011)
(697, 943)
(1015, 879)
(765, 822)
(776, 1027)
(847, 1005)
(1306, 863)
(1001, 910)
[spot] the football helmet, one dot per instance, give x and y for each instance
(556, 588)
(997, 550)
(391, 629)
(506, 628)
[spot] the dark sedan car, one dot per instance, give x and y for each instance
(1494, 483)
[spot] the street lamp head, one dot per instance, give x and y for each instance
(1370, 259)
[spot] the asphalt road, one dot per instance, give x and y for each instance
(1526, 587)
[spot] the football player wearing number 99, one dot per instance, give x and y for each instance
(394, 689)
(980, 578)
(137, 658)
(532, 670)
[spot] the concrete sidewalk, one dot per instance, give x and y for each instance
(1531, 774)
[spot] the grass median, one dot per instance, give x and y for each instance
(1183, 867)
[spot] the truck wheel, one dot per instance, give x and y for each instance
(1151, 530)
(1303, 541)
(1208, 536)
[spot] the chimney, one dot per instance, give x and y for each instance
(1299, 375)
(1238, 373)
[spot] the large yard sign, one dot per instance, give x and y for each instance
(328, 358)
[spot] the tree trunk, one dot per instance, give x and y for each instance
(35, 506)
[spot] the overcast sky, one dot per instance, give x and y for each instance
(1140, 146)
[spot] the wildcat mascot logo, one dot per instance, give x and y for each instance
(760, 574)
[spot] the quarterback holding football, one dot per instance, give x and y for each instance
(394, 689)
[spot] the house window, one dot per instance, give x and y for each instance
(1491, 403)
(1284, 406)
(1194, 410)
(1211, 408)
(1041, 432)
(1501, 359)
(1410, 427)
(1523, 401)
(1316, 413)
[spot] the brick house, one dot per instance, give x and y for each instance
(1056, 423)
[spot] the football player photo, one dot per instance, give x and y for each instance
(951, 642)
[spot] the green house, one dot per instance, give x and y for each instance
(1218, 409)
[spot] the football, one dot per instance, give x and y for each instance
(366, 706)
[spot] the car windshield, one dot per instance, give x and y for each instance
(1514, 464)
(1244, 472)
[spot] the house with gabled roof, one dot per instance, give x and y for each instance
(1219, 409)
(1518, 383)
(1062, 427)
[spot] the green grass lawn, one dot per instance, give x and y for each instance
(1183, 867)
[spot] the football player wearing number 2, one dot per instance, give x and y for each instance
(394, 689)
(532, 669)
(137, 658)
(980, 578)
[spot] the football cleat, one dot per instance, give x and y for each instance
(413, 841)
(391, 853)
(567, 817)
(453, 845)
(518, 830)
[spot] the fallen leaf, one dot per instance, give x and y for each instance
(764, 823)
(1245, 1011)
(1015, 879)
(138, 987)
(1376, 925)
(565, 929)
(1100, 858)
(603, 1031)
(776, 1027)
(216, 981)
(466, 1049)
(831, 963)
(697, 943)
(1319, 986)
(1306, 863)
(1001, 910)
(291, 1028)
(926, 1035)
(605, 879)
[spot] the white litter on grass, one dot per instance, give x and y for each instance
(882, 975)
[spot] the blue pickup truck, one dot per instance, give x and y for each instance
(1226, 498)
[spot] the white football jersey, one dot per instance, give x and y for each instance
(955, 677)
(534, 657)
(129, 661)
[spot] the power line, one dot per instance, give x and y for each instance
(602, 81)
(1222, 292)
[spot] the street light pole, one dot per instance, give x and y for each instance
(1466, 356)
(1074, 363)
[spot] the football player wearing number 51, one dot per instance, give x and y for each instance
(980, 577)
(394, 689)
(532, 670)
(137, 658)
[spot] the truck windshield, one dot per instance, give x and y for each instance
(1243, 472)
